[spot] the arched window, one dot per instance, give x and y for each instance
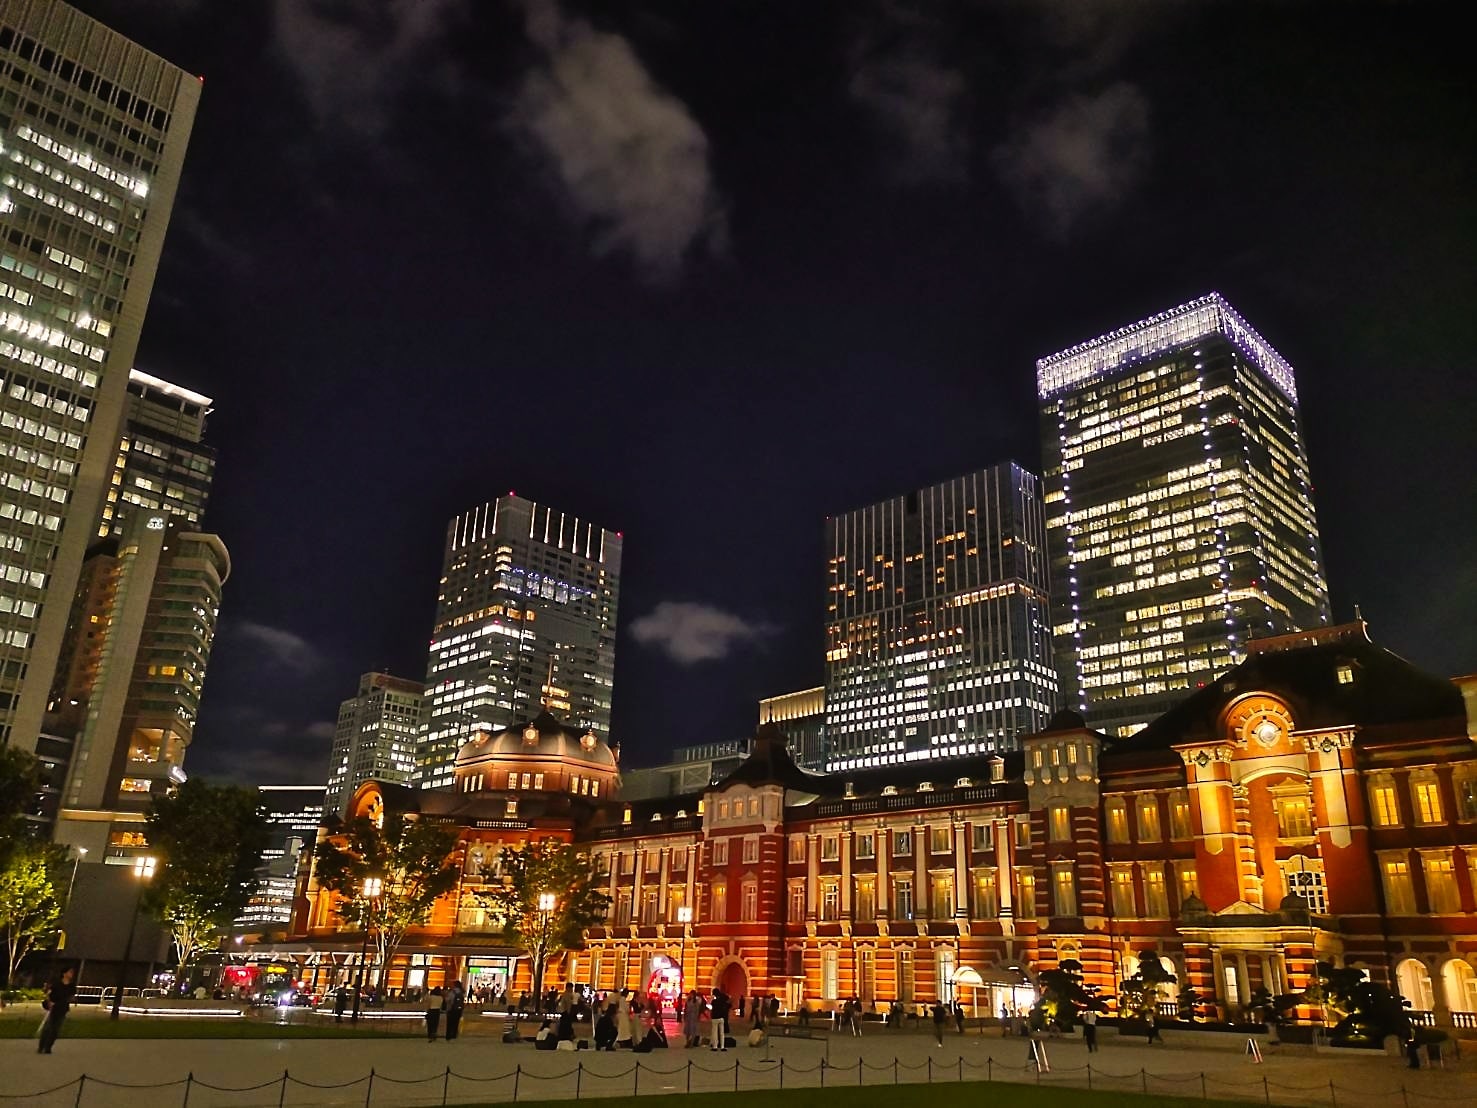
(1415, 984)
(1459, 984)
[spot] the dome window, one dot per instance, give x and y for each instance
(889, 790)
(963, 783)
(530, 735)
(925, 786)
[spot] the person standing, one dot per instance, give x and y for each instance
(939, 1016)
(1153, 1035)
(456, 1000)
(959, 1016)
(435, 999)
(1089, 1030)
(58, 1003)
(854, 1016)
(718, 1016)
(692, 1014)
(340, 1002)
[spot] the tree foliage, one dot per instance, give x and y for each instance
(413, 860)
(1062, 997)
(31, 879)
(209, 841)
(549, 867)
(1362, 1011)
(1138, 996)
(20, 777)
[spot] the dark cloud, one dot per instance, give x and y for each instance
(916, 99)
(689, 633)
(1083, 155)
(629, 159)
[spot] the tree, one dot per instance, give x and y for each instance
(20, 777)
(1138, 996)
(1361, 1010)
(1062, 995)
(209, 841)
(30, 900)
(550, 894)
(412, 858)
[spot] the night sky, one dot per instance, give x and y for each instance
(705, 272)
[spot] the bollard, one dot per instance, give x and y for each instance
(1203, 1094)
(689, 1075)
(636, 1078)
(81, 1081)
(517, 1073)
(989, 1067)
(1089, 1076)
(579, 1076)
(445, 1086)
(1266, 1090)
(961, 1067)
(1405, 1100)
(369, 1088)
(859, 1072)
(1144, 1079)
(735, 1075)
(190, 1080)
(930, 1070)
(282, 1096)
(894, 1069)
(1333, 1097)
(824, 1068)
(782, 1072)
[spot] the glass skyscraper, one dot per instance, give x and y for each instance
(937, 623)
(162, 464)
(525, 618)
(377, 736)
(1179, 508)
(92, 139)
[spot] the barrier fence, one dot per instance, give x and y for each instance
(525, 1084)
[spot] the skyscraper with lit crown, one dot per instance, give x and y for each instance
(92, 139)
(1179, 508)
(525, 618)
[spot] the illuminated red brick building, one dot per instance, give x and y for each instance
(1323, 768)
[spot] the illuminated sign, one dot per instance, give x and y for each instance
(156, 523)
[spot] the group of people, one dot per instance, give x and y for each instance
(449, 1002)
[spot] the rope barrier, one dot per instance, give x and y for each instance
(1065, 1075)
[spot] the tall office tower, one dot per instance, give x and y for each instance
(293, 815)
(377, 736)
(162, 464)
(801, 717)
(525, 617)
(93, 131)
(1180, 511)
(937, 626)
(129, 683)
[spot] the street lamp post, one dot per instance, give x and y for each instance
(546, 905)
(72, 884)
(373, 886)
(143, 869)
(684, 917)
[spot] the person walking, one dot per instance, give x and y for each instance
(456, 1000)
(435, 999)
(939, 1017)
(1089, 1030)
(854, 1016)
(1153, 1033)
(58, 1003)
(959, 1016)
(718, 1016)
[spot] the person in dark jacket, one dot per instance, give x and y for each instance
(434, 1000)
(939, 1018)
(605, 1029)
(340, 1002)
(456, 1000)
(718, 1016)
(58, 1003)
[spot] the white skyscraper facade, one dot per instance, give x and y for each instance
(525, 618)
(377, 735)
(1179, 508)
(93, 131)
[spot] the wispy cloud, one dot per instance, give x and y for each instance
(278, 646)
(354, 58)
(898, 74)
(630, 160)
(1082, 155)
(689, 633)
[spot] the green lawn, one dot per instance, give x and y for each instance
(969, 1094)
(85, 1028)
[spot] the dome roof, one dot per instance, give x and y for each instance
(1066, 720)
(542, 738)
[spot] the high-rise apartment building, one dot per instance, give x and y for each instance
(802, 717)
(162, 464)
(937, 623)
(131, 675)
(1179, 508)
(525, 617)
(93, 131)
(377, 735)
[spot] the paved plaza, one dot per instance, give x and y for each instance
(409, 1071)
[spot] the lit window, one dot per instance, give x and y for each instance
(866, 845)
(1025, 892)
(1124, 904)
(1059, 823)
(751, 902)
(984, 906)
(830, 848)
(797, 901)
(941, 896)
(1427, 798)
(720, 903)
(751, 848)
(865, 907)
(1148, 813)
(1442, 894)
(940, 841)
(720, 852)
(1156, 899)
(902, 898)
(797, 848)
(981, 835)
(1386, 809)
(1117, 812)
(1063, 889)
(830, 977)
(1179, 814)
(1293, 819)
(1399, 891)
(902, 842)
(1187, 881)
